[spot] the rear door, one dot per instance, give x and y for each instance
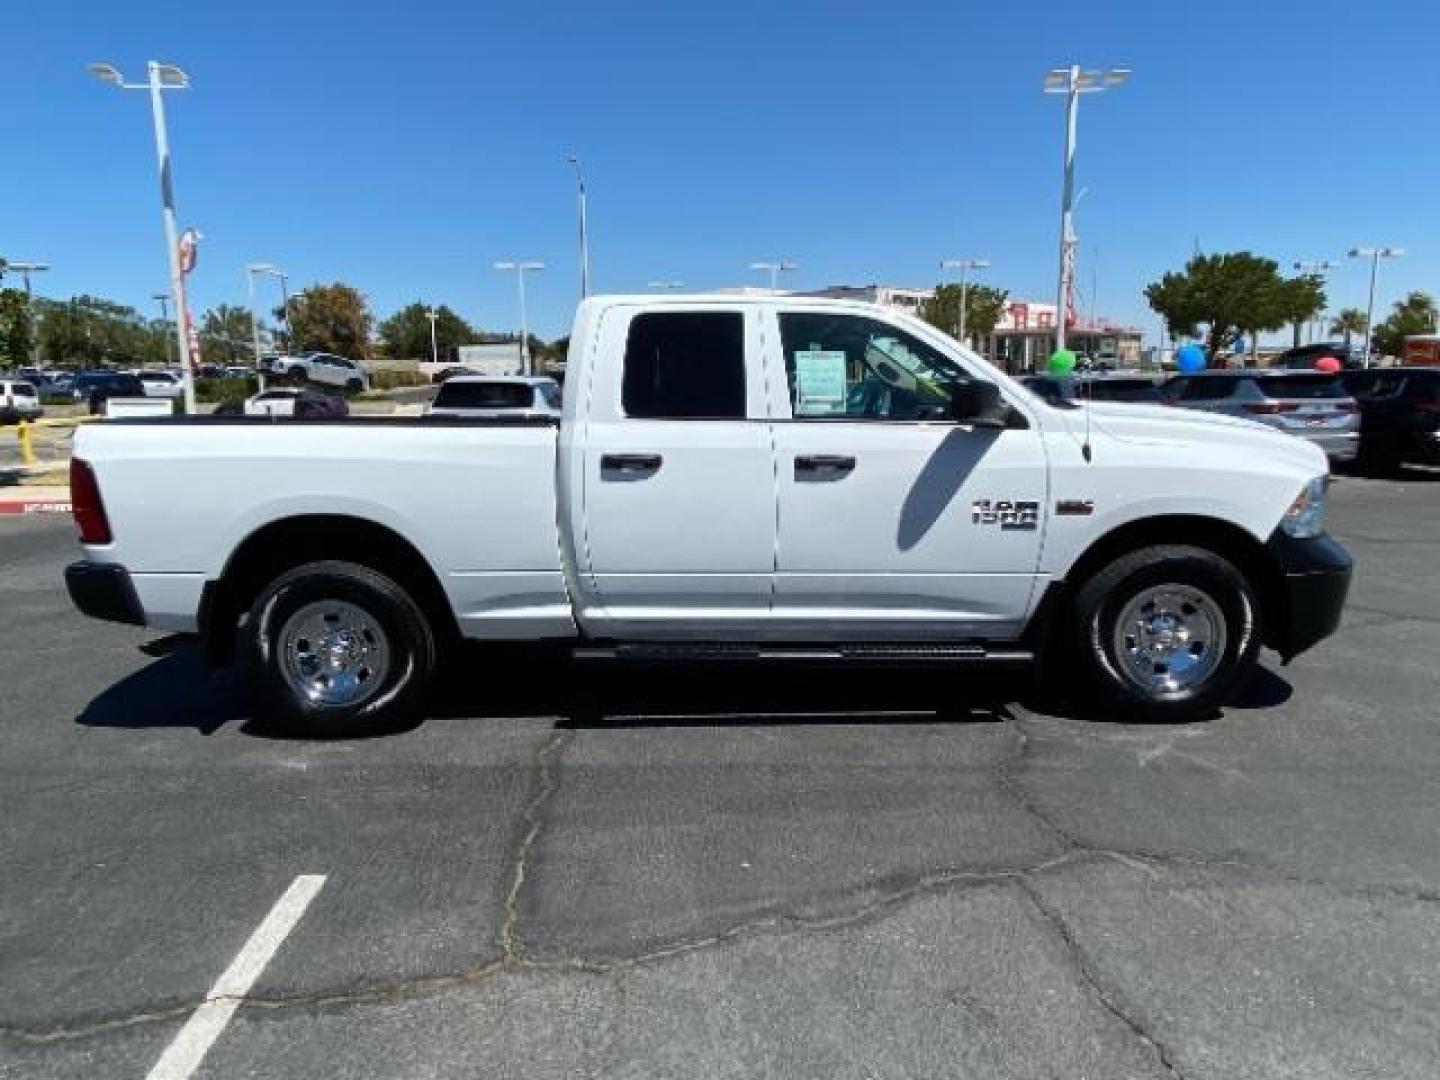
(894, 521)
(678, 479)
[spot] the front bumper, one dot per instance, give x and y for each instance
(1338, 446)
(104, 591)
(1315, 579)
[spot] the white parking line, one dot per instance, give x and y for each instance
(184, 1054)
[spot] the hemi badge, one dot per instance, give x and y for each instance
(1079, 507)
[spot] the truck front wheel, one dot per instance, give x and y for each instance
(1167, 633)
(337, 650)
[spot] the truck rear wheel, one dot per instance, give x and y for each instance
(1167, 633)
(337, 650)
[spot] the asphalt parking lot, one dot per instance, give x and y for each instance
(699, 873)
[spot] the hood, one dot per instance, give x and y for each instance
(1157, 425)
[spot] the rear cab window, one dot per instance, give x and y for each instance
(685, 365)
(1305, 387)
(485, 395)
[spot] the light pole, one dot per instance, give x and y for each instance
(276, 272)
(521, 269)
(584, 227)
(774, 269)
(963, 265)
(25, 269)
(432, 315)
(1374, 254)
(665, 285)
(1072, 82)
(1318, 267)
(163, 298)
(162, 77)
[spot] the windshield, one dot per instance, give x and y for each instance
(1302, 386)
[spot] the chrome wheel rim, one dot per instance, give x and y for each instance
(333, 653)
(1170, 639)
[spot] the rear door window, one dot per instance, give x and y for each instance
(685, 365)
(484, 395)
(1208, 388)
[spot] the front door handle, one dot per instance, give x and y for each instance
(631, 463)
(824, 463)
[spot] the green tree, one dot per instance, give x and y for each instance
(1303, 298)
(17, 329)
(88, 330)
(405, 335)
(331, 318)
(983, 307)
(226, 335)
(1227, 294)
(1349, 322)
(1413, 315)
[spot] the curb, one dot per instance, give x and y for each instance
(35, 500)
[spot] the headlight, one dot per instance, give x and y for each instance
(1306, 516)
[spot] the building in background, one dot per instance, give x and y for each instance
(1024, 338)
(896, 296)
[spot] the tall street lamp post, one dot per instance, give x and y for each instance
(1374, 254)
(162, 77)
(774, 269)
(1072, 82)
(432, 315)
(163, 299)
(521, 269)
(25, 269)
(584, 227)
(963, 265)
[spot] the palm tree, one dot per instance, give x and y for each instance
(1350, 321)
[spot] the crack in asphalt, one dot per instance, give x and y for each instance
(1106, 998)
(546, 784)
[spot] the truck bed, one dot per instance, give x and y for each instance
(475, 498)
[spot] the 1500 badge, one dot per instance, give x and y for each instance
(1007, 513)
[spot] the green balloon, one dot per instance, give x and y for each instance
(1062, 362)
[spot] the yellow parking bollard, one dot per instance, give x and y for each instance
(27, 447)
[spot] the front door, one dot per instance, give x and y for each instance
(895, 522)
(678, 477)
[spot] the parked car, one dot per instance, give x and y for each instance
(747, 478)
(486, 397)
(1399, 415)
(19, 400)
(1135, 389)
(326, 369)
(1310, 404)
(1304, 356)
(97, 387)
(161, 384)
(287, 401)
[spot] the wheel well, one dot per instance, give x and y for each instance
(275, 548)
(1233, 543)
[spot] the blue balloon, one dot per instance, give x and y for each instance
(1190, 358)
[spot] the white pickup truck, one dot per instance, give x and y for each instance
(766, 479)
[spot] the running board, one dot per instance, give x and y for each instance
(862, 653)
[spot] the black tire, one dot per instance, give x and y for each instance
(1195, 572)
(296, 376)
(354, 386)
(388, 616)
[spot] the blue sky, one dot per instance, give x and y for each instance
(404, 148)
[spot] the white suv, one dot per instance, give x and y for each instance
(317, 367)
(18, 401)
(161, 384)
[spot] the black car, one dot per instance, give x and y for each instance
(450, 372)
(1399, 415)
(1304, 356)
(98, 387)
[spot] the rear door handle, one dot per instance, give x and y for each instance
(832, 463)
(631, 463)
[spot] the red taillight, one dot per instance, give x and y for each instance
(85, 504)
(1270, 408)
(1433, 405)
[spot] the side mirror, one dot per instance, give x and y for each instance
(978, 403)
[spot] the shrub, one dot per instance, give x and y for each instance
(222, 389)
(391, 378)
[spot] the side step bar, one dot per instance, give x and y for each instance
(861, 653)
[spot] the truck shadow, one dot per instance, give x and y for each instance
(176, 691)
